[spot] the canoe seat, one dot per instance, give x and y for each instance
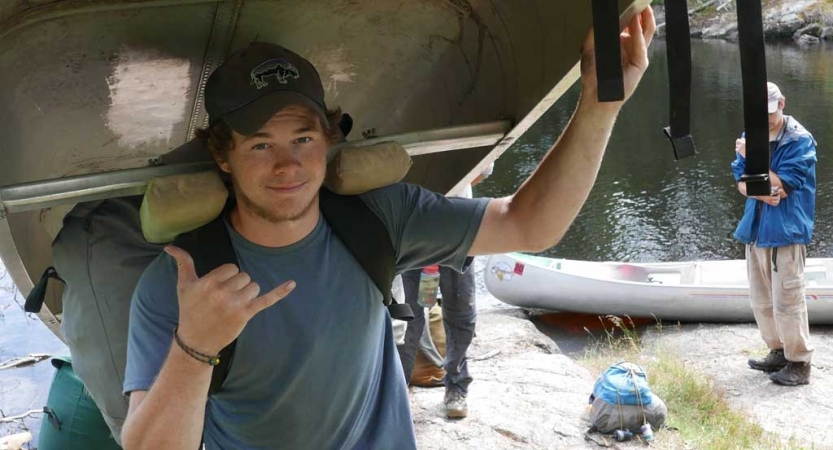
(629, 272)
(671, 275)
(683, 274)
(689, 273)
(816, 275)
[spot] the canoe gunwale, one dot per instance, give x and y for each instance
(119, 183)
(649, 266)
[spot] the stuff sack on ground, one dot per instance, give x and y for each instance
(623, 400)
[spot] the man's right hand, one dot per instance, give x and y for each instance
(633, 43)
(214, 309)
(740, 147)
(771, 200)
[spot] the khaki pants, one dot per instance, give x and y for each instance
(778, 299)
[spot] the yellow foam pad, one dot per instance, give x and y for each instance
(180, 203)
(354, 171)
(177, 204)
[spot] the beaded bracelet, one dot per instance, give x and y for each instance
(201, 357)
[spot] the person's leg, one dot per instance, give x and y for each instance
(791, 319)
(759, 269)
(407, 352)
(459, 317)
(790, 305)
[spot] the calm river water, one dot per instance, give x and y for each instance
(647, 207)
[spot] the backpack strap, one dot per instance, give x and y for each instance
(355, 224)
(34, 301)
(210, 247)
(609, 78)
(368, 240)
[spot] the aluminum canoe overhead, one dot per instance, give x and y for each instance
(94, 86)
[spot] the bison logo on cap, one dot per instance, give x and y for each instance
(278, 68)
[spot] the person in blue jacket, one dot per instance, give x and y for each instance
(776, 230)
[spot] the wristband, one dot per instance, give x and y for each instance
(201, 357)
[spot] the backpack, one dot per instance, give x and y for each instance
(622, 400)
(101, 252)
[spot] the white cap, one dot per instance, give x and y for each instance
(773, 97)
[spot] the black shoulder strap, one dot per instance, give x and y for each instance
(358, 227)
(755, 114)
(368, 240)
(609, 79)
(34, 301)
(210, 247)
(679, 78)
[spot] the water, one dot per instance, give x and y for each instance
(23, 389)
(645, 207)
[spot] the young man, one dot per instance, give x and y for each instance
(776, 230)
(298, 304)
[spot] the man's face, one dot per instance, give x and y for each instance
(776, 117)
(278, 171)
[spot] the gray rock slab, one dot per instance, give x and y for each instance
(525, 393)
(721, 352)
(774, 11)
(785, 27)
(808, 40)
(814, 29)
(720, 29)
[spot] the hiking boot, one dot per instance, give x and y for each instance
(794, 374)
(773, 362)
(455, 405)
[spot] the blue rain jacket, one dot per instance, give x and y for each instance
(791, 222)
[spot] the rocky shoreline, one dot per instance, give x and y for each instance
(807, 22)
(529, 394)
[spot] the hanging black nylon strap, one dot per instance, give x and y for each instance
(755, 115)
(210, 246)
(678, 48)
(611, 85)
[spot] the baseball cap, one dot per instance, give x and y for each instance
(773, 97)
(259, 80)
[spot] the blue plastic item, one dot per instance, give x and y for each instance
(625, 383)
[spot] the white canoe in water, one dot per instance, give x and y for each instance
(701, 291)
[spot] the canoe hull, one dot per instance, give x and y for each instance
(93, 86)
(578, 286)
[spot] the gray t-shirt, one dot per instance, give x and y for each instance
(319, 369)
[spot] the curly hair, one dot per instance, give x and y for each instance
(219, 137)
